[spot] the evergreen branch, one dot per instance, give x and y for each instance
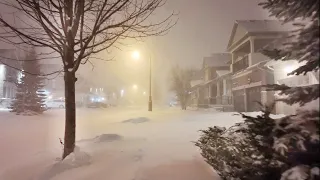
(301, 94)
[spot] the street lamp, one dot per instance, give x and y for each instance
(136, 55)
(121, 92)
(135, 87)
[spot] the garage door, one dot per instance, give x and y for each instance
(253, 97)
(238, 100)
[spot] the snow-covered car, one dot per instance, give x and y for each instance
(55, 103)
(173, 103)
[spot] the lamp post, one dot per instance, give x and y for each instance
(150, 95)
(136, 56)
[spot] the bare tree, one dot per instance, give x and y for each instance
(181, 85)
(78, 29)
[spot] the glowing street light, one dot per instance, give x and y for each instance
(135, 55)
(121, 92)
(135, 87)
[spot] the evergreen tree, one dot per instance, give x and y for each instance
(244, 151)
(299, 138)
(29, 96)
(18, 104)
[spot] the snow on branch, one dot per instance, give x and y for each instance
(301, 94)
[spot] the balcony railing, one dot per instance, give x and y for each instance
(241, 64)
(220, 100)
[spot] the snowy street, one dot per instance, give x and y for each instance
(121, 144)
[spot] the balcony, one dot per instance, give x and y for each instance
(241, 64)
(248, 60)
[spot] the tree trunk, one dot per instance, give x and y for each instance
(70, 114)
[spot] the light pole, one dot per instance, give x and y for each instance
(150, 95)
(136, 56)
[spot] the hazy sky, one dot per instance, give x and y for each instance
(204, 27)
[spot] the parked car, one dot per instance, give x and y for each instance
(173, 103)
(55, 103)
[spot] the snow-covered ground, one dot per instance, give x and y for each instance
(114, 144)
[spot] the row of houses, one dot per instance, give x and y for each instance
(234, 80)
(10, 72)
(9, 75)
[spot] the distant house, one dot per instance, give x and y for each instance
(214, 89)
(196, 98)
(248, 69)
(9, 75)
(216, 78)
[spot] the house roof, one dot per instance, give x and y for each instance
(260, 26)
(217, 59)
(264, 25)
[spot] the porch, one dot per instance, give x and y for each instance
(217, 93)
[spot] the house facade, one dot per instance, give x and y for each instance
(9, 76)
(248, 69)
(214, 88)
(217, 80)
(196, 97)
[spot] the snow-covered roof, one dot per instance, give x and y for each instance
(264, 25)
(222, 72)
(260, 26)
(217, 59)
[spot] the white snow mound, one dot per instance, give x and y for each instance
(74, 160)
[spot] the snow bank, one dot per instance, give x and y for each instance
(136, 120)
(74, 160)
(28, 113)
(4, 109)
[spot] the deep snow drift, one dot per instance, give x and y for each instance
(113, 144)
